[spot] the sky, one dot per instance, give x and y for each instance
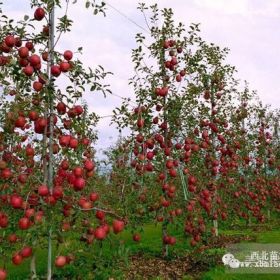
(249, 28)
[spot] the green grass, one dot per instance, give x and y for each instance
(19, 272)
(150, 246)
(151, 242)
(218, 272)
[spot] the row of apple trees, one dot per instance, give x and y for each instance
(47, 198)
(203, 152)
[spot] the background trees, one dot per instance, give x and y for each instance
(195, 133)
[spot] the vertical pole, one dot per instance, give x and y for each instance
(165, 221)
(215, 224)
(246, 169)
(33, 266)
(49, 277)
(51, 130)
(214, 153)
(51, 95)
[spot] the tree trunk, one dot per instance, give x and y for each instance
(33, 267)
(49, 277)
(215, 224)
(51, 130)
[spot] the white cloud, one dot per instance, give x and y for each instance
(247, 27)
(229, 7)
(265, 8)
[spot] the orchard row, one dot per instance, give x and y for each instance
(202, 152)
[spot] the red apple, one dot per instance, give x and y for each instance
(55, 70)
(24, 223)
(60, 261)
(46, 30)
(6, 173)
(45, 56)
(118, 226)
(79, 183)
(4, 220)
(89, 165)
(20, 122)
(136, 237)
(100, 233)
(28, 70)
(100, 215)
(3, 274)
(10, 41)
(78, 109)
(68, 55)
(16, 201)
(13, 238)
(64, 140)
(34, 60)
(43, 190)
(26, 252)
(29, 45)
(73, 143)
(94, 196)
(37, 86)
(23, 52)
(29, 212)
(172, 240)
(64, 66)
(61, 108)
(78, 171)
(39, 14)
(17, 259)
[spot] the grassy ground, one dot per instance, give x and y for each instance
(218, 272)
(150, 246)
